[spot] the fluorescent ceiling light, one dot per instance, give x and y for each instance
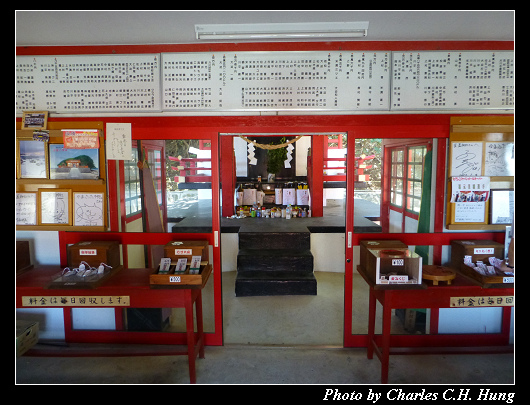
(319, 30)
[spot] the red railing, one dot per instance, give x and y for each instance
(360, 166)
(187, 168)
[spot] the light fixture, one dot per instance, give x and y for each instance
(318, 30)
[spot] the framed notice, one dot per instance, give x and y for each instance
(88, 209)
(466, 158)
(55, 207)
(26, 208)
(33, 120)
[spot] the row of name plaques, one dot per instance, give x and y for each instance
(246, 81)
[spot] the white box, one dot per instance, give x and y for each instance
(289, 196)
(302, 197)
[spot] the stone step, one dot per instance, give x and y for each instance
(261, 283)
(275, 240)
(273, 260)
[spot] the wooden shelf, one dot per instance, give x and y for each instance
(477, 227)
(73, 185)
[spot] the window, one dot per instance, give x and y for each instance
(133, 204)
(154, 158)
(396, 178)
(414, 177)
(132, 185)
(405, 177)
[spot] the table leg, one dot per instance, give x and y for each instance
(190, 335)
(200, 329)
(371, 324)
(385, 350)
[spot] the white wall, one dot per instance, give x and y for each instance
(177, 26)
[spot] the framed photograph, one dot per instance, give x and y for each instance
(80, 164)
(32, 162)
(34, 120)
(26, 208)
(88, 209)
(55, 206)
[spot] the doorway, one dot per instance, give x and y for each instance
(288, 319)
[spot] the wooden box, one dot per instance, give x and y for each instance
(184, 280)
(390, 262)
(377, 244)
(22, 256)
(478, 250)
(94, 253)
(180, 249)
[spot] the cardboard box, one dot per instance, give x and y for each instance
(27, 335)
(94, 253)
(479, 250)
(390, 262)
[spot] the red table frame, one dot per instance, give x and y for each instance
(430, 297)
(127, 282)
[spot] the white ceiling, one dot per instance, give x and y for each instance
(171, 27)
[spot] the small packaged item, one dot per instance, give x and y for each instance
(181, 266)
(165, 264)
(195, 265)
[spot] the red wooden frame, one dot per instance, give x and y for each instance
(386, 181)
(208, 127)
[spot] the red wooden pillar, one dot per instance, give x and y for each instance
(227, 174)
(318, 145)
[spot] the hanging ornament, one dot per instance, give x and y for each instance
(287, 162)
(251, 158)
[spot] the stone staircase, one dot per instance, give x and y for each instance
(275, 263)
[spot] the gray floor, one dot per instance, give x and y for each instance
(244, 364)
(276, 340)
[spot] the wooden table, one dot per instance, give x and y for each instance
(426, 296)
(129, 288)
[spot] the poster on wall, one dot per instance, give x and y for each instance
(466, 159)
(470, 189)
(88, 83)
(470, 212)
(73, 163)
(456, 80)
(119, 143)
(88, 209)
(276, 80)
(499, 159)
(26, 208)
(55, 207)
(80, 138)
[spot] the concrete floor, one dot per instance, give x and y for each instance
(244, 364)
(276, 340)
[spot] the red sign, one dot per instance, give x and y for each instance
(81, 138)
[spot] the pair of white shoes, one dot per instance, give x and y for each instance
(85, 270)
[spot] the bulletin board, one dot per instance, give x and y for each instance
(99, 83)
(481, 164)
(58, 188)
(312, 80)
(268, 80)
(456, 80)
